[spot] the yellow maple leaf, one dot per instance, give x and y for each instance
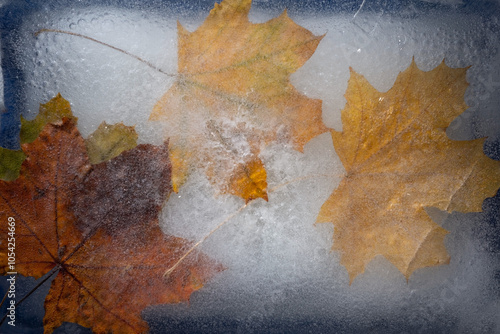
(398, 160)
(233, 96)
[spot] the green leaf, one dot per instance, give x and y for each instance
(108, 141)
(10, 163)
(53, 111)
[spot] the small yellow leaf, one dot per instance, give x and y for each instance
(108, 141)
(249, 181)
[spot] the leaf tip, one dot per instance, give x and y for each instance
(181, 31)
(284, 15)
(413, 64)
(261, 194)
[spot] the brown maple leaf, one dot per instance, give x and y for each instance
(398, 160)
(233, 96)
(95, 228)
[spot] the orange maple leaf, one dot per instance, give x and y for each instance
(96, 229)
(233, 96)
(398, 161)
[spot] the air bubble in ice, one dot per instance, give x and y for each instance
(82, 23)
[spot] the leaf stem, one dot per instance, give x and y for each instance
(4, 297)
(108, 45)
(169, 271)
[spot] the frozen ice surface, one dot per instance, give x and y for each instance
(280, 269)
(101, 85)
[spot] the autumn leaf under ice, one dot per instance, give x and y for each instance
(398, 160)
(95, 228)
(233, 96)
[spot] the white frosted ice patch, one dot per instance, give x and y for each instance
(272, 238)
(278, 262)
(102, 84)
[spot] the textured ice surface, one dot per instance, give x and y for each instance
(280, 269)
(101, 83)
